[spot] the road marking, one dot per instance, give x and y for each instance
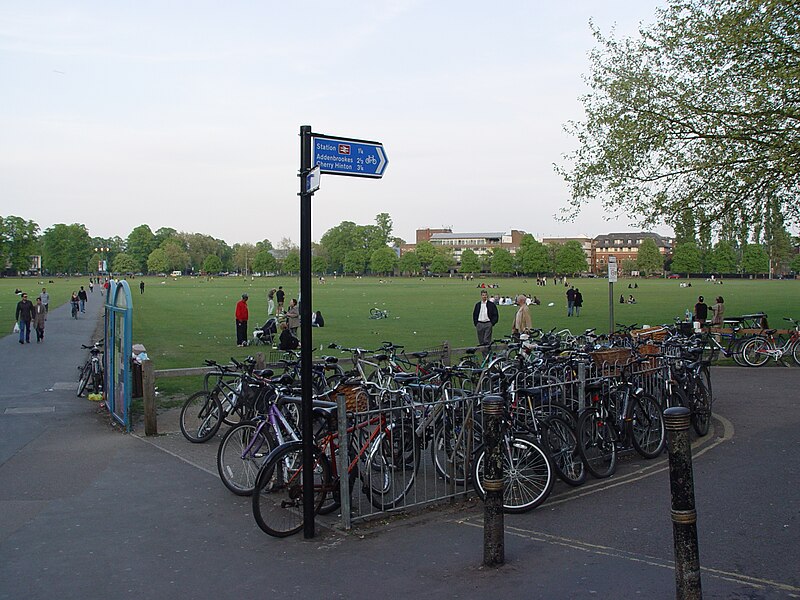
(29, 410)
(64, 385)
(178, 456)
(538, 536)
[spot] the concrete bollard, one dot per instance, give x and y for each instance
(493, 518)
(684, 515)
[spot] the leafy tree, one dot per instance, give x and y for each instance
(425, 252)
(686, 258)
(570, 258)
(627, 266)
(442, 261)
(698, 113)
(264, 261)
(213, 264)
(337, 242)
(502, 262)
(755, 259)
(17, 243)
(355, 262)
(795, 264)
(66, 248)
(319, 264)
(649, 259)
(264, 244)
(533, 256)
(383, 261)
(140, 243)
(291, 264)
(164, 233)
(722, 258)
(286, 243)
(243, 255)
(470, 262)
(177, 257)
(409, 263)
(125, 263)
(157, 261)
(198, 246)
(384, 224)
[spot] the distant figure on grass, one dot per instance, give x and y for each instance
(270, 302)
(578, 302)
(701, 311)
(241, 321)
(141, 287)
(621, 299)
(39, 318)
(317, 320)
(522, 320)
(570, 301)
(45, 297)
(280, 295)
(718, 310)
(24, 316)
(631, 299)
(83, 297)
(484, 318)
(287, 340)
(293, 316)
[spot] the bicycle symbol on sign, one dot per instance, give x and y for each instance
(371, 160)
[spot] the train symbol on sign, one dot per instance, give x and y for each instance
(344, 149)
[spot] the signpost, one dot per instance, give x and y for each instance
(335, 156)
(612, 279)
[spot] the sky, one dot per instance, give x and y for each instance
(186, 114)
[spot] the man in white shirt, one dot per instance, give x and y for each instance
(485, 317)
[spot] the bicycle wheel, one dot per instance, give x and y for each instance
(755, 351)
(646, 426)
(736, 352)
(528, 474)
(391, 467)
(597, 443)
(562, 446)
(278, 493)
(701, 409)
(451, 450)
(375, 313)
(796, 352)
(200, 417)
(242, 452)
(83, 378)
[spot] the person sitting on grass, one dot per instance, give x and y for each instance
(287, 340)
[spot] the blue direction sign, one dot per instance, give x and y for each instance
(337, 156)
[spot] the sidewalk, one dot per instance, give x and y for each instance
(89, 512)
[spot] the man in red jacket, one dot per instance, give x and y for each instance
(241, 321)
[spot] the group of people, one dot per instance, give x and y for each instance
(574, 301)
(288, 320)
(485, 316)
(631, 299)
(700, 314)
(30, 315)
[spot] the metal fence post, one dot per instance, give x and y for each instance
(684, 515)
(493, 521)
(149, 398)
(343, 460)
(581, 386)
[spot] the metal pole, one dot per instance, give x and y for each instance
(343, 460)
(493, 520)
(305, 333)
(684, 515)
(610, 308)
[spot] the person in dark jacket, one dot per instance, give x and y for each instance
(39, 318)
(287, 340)
(83, 297)
(24, 316)
(578, 302)
(484, 318)
(701, 311)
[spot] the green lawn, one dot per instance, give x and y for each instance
(182, 321)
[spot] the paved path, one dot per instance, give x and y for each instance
(89, 512)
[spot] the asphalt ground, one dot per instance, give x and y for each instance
(88, 511)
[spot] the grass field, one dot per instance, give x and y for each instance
(184, 320)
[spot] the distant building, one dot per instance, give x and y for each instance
(625, 246)
(585, 241)
(481, 243)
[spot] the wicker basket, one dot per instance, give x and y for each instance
(649, 349)
(650, 333)
(356, 399)
(611, 360)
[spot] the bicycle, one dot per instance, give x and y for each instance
(92, 369)
(758, 350)
(377, 313)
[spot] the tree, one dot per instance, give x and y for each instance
(686, 258)
(755, 260)
(157, 261)
(383, 261)
(425, 252)
(291, 264)
(319, 265)
(384, 224)
(627, 266)
(243, 255)
(698, 113)
(722, 259)
(649, 259)
(409, 263)
(470, 262)
(442, 261)
(502, 262)
(264, 261)
(18, 243)
(139, 244)
(66, 248)
(355, 261)
(533, 256)
(212, 264)
(177, 257)
(795, 264)
(125, 263)
(570, 258)
(337, 242)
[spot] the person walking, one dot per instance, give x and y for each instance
(39, 318)
(701, 311)
(522, 320)
(45, 298)
(83, 297)
(718, 311)
(270, 302)
(570, 301)
(24, 317)
(91, 286)
(280, 295)
(141, 287)
(578, 302)
(241, 321)
(75, 304)
(484, 318)
(293, 316)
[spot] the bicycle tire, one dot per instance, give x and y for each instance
(278, 494)
(597, 443)
(451, 445)
(239, 471)
(200, 417)
(646, 426)
(796, 352)
(83, 378)
(753, 352)
(701, 410)
(736, 352)
(562, 446)
(528, 474)
(391, 467)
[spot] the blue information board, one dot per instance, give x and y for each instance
(358, 158)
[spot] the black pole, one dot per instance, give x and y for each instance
(684, 515)
(305, 332)
(493, 519)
